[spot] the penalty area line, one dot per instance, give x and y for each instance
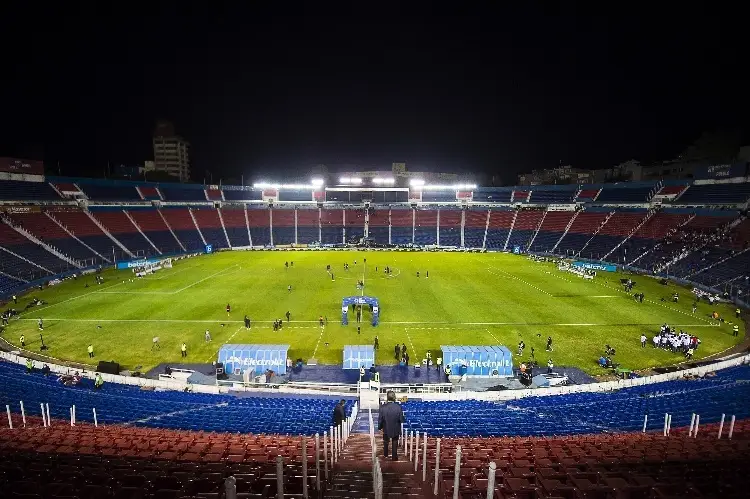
(229, 340)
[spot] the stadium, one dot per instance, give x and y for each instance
(544, 341)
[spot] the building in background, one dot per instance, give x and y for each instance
(171, 152)
(564, 174)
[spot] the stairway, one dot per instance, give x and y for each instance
(648, 216)
(512, 224)
(352, 474)
(567, 228)
(108, 234)
(132, 221)
(609, 215)
(195, 222)
(32, 238)
(224, 228)
(541, 222)
(170, 229)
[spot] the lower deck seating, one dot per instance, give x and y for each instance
(402, 235)
(283, 235)
(331, 234)
(378, 234)
(496, 238)
(450, 236)
(473, 237)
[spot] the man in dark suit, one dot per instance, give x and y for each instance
(339, 413)
(391, 418)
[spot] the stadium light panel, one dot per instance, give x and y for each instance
(266, 185)
(317, 182)
(380, 180)
(454, 187)
(416, 182)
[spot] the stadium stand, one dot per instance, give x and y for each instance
(241, 194)
(475, 227)
(450, 227)
(587, 195)
(402, 225)
(258, 220)
(582, 229)
(120, 404)
(493, 195)
(332, 226)
(283, 226)
(425, 227)
(46, 230)
(625, 194)
(236, 225)
(153, 225)
(15, 190)
(100, 192)
(520, 196)
(149, 192)
(552, 228)
(308, 225)
(182, 193)
(671, 190)
(210, 226)
(119, 225)
(612, 233)
(716, 194)
(499, 226)
(540, 194)
(619, 411)
(213, 195)
(20, 245)
(378, 224)
(181, 223)
(80, 225)
(355, 224)
(295, 195)
(429, 196)
(524, 228)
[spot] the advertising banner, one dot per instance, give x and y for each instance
(604, 267)
(718, 172)
(136, 263)
(239, 358)
(20, 209)
(21, 166)
(356, 356)
(478, 360)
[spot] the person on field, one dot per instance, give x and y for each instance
(155, 343)
(183, 349)
(91, 351)
(289, 288)
(207, 336)
(737, 313)
(549, 343)
(390, 420)
(377, 343)
(15, 299)
(550, 365)
(736, 330)
(288, 316)
(229, 309)
(23, 341)
(40, 323)
(643, 340)
(247, 322)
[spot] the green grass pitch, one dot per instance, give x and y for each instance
(468, 299)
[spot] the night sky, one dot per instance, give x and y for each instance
(269, 93)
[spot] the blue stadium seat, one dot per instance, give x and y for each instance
(401, 235)
(379, 234)
(332, 234)
(15, 190)
(473, 237)
(283, 235)
(450, 236)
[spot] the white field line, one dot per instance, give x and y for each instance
(36, 310)
(493, 336)
(506, 274)
(169, 292)
(229, 340)
(320, 337)
(218, 321)
(411, 343)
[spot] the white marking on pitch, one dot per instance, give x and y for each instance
(489, 269)
(217, 321)
(322, 330)
(169, 292)
(229, 341)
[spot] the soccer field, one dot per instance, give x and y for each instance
(468, 299)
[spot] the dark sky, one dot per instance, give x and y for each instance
(269, 93)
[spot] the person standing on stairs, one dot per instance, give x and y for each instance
(339, 413)
(390, 421)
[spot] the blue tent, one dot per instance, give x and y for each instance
(360, 300)
(356, 356)
(238, 358)
(478, 360)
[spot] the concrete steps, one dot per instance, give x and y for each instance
(352, 474)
